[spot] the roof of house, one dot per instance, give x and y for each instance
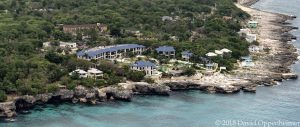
(204, 59)
(253, 22)
(211, 54)
(225, 50)
(94, 52)
(218, 52)
(79, 71)
(246, 58)
(165, 49)
(210, 65)
(143, 64)
(94, 70)
(187, 53)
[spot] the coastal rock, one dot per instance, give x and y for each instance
(124, 95)
(91, 96)
(101, 95)
(208, 88)
(7, 110)
(43, 98)
(75, 100)
(80, 91)
(289, 76)
(24, 102)
(118, 93)
(183, 86)
(65, 94)
(82, 100)
(150, 89)
(227, 89)
(250, 88)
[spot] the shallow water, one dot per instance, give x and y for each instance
(182, 109)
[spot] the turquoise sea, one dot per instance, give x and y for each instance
(184, 109)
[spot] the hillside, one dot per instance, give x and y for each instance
(196, 25)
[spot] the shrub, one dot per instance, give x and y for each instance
(3, 96)
(52, 88)
(149, 80)
(136, 76)
(189, 71)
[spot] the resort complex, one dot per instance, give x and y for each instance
(111, 52)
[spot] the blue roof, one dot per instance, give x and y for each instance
(209, 65)
(94, 52)
(165, 49)
(143, 64)
(187, 53)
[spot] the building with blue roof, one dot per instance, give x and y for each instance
(110, 52)
(168, 51)
(147, 66)
(247, 62)
(186, 55)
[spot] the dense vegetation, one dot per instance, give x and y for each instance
(24, 24)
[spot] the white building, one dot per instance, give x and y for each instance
(64, 45)
(244, 31)
(218, 52)
(94, 73)
(81, 73)
(247, 62)
(147, 66)
(255, 48)
(211, 54)
(251, 38)
(111, 52)
(225, 50)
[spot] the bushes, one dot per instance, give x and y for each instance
(189, 71)
(136, 76)
(52, 88)
(3, 96)
(149, 80)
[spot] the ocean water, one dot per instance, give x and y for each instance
(185, 109)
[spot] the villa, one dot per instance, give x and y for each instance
(251, 38)
(186, 55)
(244, 32)
(94, 73)
(211, 54)
(226, 52)
(111, 52)
(167, 18)
(211, 66)
(70, 45)
(255, 48)
(247, 62)
(204, 60)
(218, 52)
(147, 66)
(252, 24)
(81, 73)
(168, 51)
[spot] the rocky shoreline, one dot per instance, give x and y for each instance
(125, 91)
(121, 92)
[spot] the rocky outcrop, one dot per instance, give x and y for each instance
(183, 86)
(43, 98)
(150, 89)
(7, 110)
(64, 94)
(117, 93)
(25, 102)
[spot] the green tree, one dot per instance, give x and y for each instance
(3, 96)
(136, 76)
